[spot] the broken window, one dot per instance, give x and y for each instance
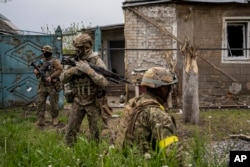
(236, 39)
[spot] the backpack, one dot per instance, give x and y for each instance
(134, 109)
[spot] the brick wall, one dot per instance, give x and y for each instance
(205, 29)
(202, 25)
(145, 39)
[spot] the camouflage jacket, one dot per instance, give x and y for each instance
(148, 123)
(51, 67)
(84, 87)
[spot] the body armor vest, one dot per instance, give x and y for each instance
(83, 88)
(46, 67)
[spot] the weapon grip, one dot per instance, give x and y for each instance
(68, 61)
(34, 65)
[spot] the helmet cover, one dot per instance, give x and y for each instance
(82, 40)
(158, 76)
(47, 48)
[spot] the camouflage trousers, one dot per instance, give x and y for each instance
(43, 93)
(106, 111)
(75, 118)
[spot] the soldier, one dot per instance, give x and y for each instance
(149, 126)
(49, 86)
(86, 86)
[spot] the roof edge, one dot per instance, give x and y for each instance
(145, 2)
(105, 27)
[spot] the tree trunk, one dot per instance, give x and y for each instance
(190, 85)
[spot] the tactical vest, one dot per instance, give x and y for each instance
(82, 86)
(46, 66)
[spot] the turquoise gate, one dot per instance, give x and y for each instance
(18, 84)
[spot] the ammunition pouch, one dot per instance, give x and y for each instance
(58, 86)
(69, 93)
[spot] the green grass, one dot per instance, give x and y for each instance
(217, 124)
(22, 144)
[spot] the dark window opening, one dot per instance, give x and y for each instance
(116, 57)
(236, 39)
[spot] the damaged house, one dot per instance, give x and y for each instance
(220, 32)
(6, 26)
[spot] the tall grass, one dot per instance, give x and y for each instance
(22, 144)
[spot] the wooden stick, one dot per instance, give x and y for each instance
(241, 136)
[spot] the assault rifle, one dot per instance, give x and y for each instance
(110, 76)
(41, 72)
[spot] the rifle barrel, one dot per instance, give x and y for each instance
(113, 77)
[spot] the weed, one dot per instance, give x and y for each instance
(25, 145)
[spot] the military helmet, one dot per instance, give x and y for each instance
(47, 48)
(82, 40)
(158, 76)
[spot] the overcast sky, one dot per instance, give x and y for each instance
(31, 15)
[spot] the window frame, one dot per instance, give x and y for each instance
(246, 44)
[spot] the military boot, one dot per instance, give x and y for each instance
(40, 121)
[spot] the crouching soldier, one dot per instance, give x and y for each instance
(149, 126)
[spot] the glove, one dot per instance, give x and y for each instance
(66, 75)
(84, 67)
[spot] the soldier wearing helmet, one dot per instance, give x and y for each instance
(47, 49)
(83, 45)
(149, 126)
(85, 84)
(49, 85)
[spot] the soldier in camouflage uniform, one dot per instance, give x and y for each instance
(49, 85)
(149, 126)
(85, 84)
